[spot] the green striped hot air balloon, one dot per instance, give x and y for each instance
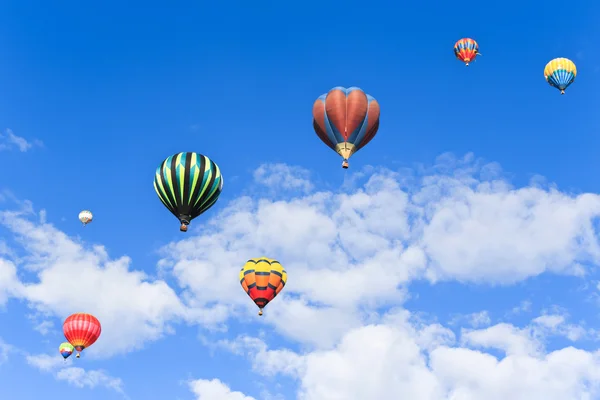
(188, 184)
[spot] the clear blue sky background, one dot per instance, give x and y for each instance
(112, 88)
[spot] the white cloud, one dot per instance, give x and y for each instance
(505, 337)
(215, 390)
(283, 176)
(457, 221)
(464, 224)
(266, 362)
(44, 327)
(555, 324)
(523, 307)
(475, 320)
(9, 283)
(9, 141)
(43, 215)
(5, 350)
(72, 277)
(481, 318)
(81, 378)
(42, 323)
(349, 254)
(78, 377)
(396, 358)
(45, 362)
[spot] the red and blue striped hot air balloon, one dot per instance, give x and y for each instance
(346, 120)
(466, 50)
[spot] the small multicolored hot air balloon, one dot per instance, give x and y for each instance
(85, 217)
(66, 349)
(346, 120)
(188, 184)
(466, 50)
(560, 73)
(262, 278)
(81, 331)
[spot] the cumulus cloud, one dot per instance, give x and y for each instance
(45, 362)
(9, 283)
(350, 255)
(81, 378)
(282, 176)
(459, 220)
(78, 377)
(10, 141)
(504, 337)
(5, 350)
(44, 327)
(556, 324)
(523, 307)
(215, 390)
(475, 320)
(70, 277)
(266, 362)
(397, 358)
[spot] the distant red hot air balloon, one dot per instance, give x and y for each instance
(81, 330)
(346, 120)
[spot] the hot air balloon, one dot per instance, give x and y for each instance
(81, 331)
(262, 278)
(560, 73)
(188, 184)
(65, 349)
(85, 217)
(466, 50)
(346, 120)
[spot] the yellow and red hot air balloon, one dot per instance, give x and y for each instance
(81, 330)
(346, 120)
(466, 50)
(262, 279)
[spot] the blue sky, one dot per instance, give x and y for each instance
(466, 227)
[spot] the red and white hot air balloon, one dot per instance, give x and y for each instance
(81, 330)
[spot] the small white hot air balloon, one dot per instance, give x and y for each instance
(85, 217)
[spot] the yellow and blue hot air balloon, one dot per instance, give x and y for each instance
(560, 73)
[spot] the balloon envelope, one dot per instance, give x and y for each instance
(262, 279)
(188, 184)
(346, 120)
(466, 50)
(66, 349)
(81, 330)
(560, 73)
(86, 217)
